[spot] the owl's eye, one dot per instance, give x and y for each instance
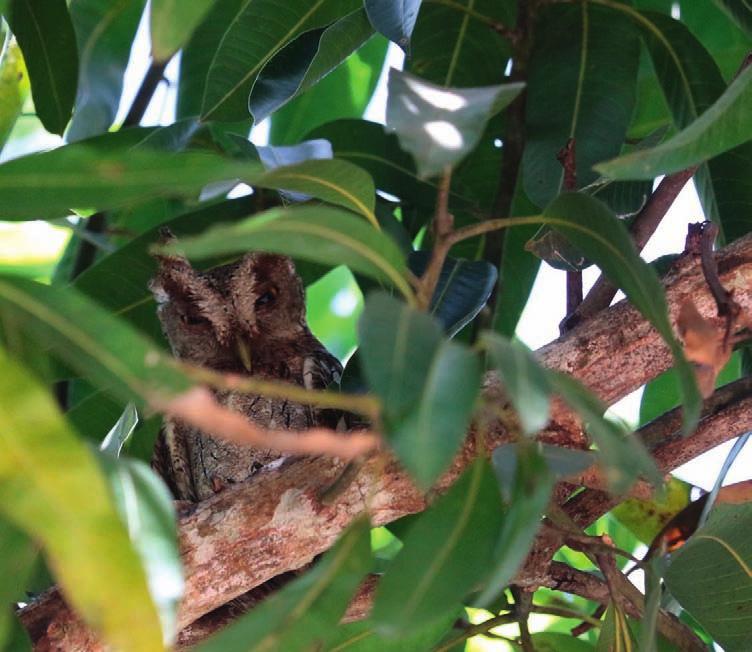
(266, 299)
(193, 320)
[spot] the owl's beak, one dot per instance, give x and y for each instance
(244, 352)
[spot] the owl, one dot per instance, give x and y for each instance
(247, 318)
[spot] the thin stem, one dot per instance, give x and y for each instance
(474, 230)
(523, 602)
(475, 630)
(564, 612)
(154, 75)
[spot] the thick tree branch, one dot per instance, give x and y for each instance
(253, 532)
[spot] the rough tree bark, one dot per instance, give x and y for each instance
(250, 533)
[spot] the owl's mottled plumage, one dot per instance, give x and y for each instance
(247, 318)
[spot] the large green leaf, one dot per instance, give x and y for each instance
(304, 614)
(18, 554)
(446, 552)
(145, 507)
(52, 489)
(91, 341)
(105, 30)
(198, 54)
(368, 145)
(14, 89)
(589, 225)
(531, 485)
(317, 233)
(439, 126)
(45, 34)
(253, 35)
(723, 126)
(395, 19)
(581, 85)
(362, 637)
(172, 23)
(740, 11)
(352, 83)
(710, 576)
(305, 61)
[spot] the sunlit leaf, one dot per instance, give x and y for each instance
(316, 233)
(719, 549)
(588, 224)
(14, 88)
(723, 126)
(52, 489)
(172, 23)
(440, 126)
(119, 434)
(304, 614)
(395, 19)
(305, 61)
(446, 552)
(104, 32)
(45, 34)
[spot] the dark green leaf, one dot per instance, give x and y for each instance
(119, 434)
(362, 637)
(446, 553)
(559, 642)
(582, 81)
(723, 126)
(198, 54)
(14, 88)
(305, 61)
(463, 289)
(588, 224)
(740, 11)
(249, 41)
(316, 233)
(395, 19)
(721, 549)
(100, 347)
(440, 126)
(526, 383)
(532, 483)
(18, 637)
(304, 614)
(352, 83)
(52, 489)
(17, 557)
(45, 34)
(104, 31)
(172, 24)
(145, 507)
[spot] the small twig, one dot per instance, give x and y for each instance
(523, 601)
(443, 224)
(468, 631)
(567, 157)
(154, 75)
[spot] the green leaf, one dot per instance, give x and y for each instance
(720, 550)
(316, 233)
(45, 35)
(559, 642)
(198, 54)
(172, 23)
(101, 347)
(104, 32)
(589, 225)
(362, 637)
(440, 126)
(581, 85)
(305, 61)
(446, 552)
(145, 507)
(250, 40)
(526, 383)
(461, 292)
(14, 89)
(52, 489)
(119, 434)
(723, 126)
(531, 490)
(304, 614)
(395, 19)
(17, 558)
(622, 455)
(352, 83)
(368, 145)
(740, 11)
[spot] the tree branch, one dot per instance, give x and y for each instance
(252, 532)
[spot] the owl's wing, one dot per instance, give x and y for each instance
(321, 369)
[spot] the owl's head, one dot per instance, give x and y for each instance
(218, 317)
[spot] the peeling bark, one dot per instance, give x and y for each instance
(250, 533)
